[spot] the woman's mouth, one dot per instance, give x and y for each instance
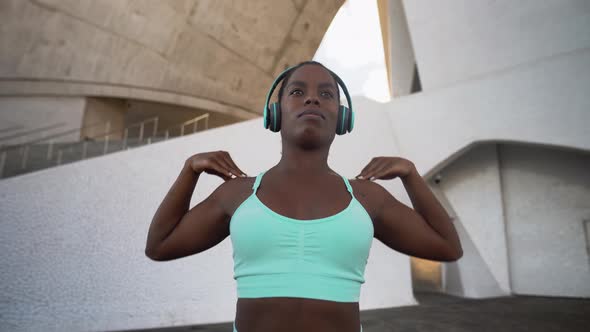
(311, 114)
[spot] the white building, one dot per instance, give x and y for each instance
(499, 125)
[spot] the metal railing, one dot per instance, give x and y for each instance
(194, 122)
(31, 132)
(60, 153)
(107, 136)
(141, 128)
(10, 129)
(51, 137)
(141, 125)
(24, 147)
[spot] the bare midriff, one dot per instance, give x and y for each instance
(289, 314)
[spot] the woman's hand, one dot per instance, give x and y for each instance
(386, 168)
(217, 163)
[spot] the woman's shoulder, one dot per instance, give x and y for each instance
(238, 185)
(231, 193)
(366, 188)
(368, 193)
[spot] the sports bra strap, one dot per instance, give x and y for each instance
(348, 186)
(257, 182)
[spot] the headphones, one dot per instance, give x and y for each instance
(272, 114)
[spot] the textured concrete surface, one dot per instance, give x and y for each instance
(458, 40)
(73, 237)
(221, 52)
(438, 312)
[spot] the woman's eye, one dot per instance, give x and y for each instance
(297, 92)
(327, 94)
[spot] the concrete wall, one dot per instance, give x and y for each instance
(214, 55)
(433, 128)
(30, 114)
(74, 259)
(102, 116)
(496, 71)
(400, 50)
(520, 211)
(547, 197)
(459, 40)
(471, 185)
(173, 116)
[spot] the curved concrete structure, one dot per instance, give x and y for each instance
(213, 55)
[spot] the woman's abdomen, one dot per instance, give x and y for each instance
(296, 314)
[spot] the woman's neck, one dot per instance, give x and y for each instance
(303, 162)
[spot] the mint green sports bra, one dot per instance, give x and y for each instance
(278, 256)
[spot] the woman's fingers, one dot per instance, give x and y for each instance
(217, 163)
(236, 170)
(369, 165)
(221, 170)
(371, 169)
(377, 173)
(226, 165)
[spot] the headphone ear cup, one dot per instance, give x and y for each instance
(274, 118)
(265, 116)
(343, 124)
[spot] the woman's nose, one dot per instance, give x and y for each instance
(312, 99)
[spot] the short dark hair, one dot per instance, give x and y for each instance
(292, 70)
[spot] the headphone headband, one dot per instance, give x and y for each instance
(284, 73)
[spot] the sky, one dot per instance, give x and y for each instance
(353, 48)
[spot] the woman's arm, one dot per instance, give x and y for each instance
(175, 230)
(426, 204)
(425, 231)
(172, 209)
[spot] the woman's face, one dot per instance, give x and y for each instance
(310, 89)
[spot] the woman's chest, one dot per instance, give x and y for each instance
(305, 204)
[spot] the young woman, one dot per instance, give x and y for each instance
(301, 233)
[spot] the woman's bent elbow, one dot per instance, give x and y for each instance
(153, 255)
(456, 256)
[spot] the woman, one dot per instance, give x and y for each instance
(301, 233)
